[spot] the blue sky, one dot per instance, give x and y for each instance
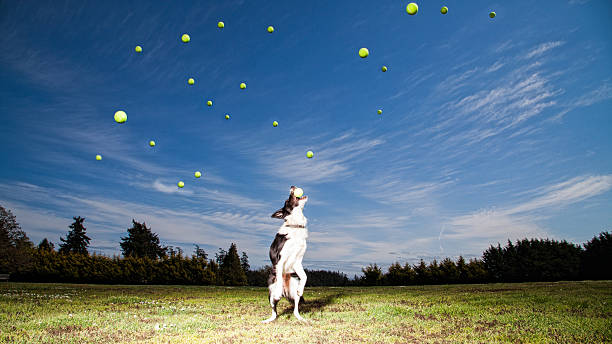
(491, 128)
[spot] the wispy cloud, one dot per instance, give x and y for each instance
(542, 48)
(521, 220)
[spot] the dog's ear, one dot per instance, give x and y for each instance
(279, 214)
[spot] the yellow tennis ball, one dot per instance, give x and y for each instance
(226, 116)
(309, 154)
(243, 85)
(138, 49)
(270, 29)
(412, 8)
(191, 81)
(209, 103)
(152, 143)
(198, 174)
(185, 38)
(120, 116)
(180, 184)
(220, 25)
(492, 14)
(275, 124)
(364, 52)
(298, 192)
(379, 111)
(98, 157)
(384, 68)
(444, 10)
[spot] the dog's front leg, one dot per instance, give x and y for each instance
(299, 270)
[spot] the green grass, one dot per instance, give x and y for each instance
(564, 312)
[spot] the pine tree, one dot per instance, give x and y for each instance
(15, 246)
(200, 253)
(76, 241)
(46, 245)
(244, 262)
(231, 270)
(141, 242)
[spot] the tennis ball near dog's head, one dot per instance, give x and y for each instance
(198, 174)
(384, 68)
(152, 143)
(180, 184)
(120, 116)
(138, 49)
(226, 116)
(220, 25)
(309, 154)
(270, 29)
(209, 103)
(444, 10)
(412, 8)
(364, 52)
(298, 192)
(98, 157)
(185, 38)
(242, 85)
(379, 111)
(492, 15)
(191, 81)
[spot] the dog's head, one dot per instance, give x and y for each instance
(293, 207)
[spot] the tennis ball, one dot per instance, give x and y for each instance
(298, 192)
(270, 29)
(120, 116)
(98, 157)
(185, 38)
(384, 68)
(492, 14)
(152, 143)
(180, 184)
(191, 81)
(243, 85)
(220, 25)
(364, 52)
(444, 10)
(379, 111)
(209, 103)
(309, 154)
(198, 174)
(412, 8)
(226, 116)
(138, 49)
(275, 124)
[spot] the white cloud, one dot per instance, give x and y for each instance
(542, 48)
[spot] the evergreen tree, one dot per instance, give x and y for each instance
(244, 262)
(597, 257)
(76, 241)
(372, 275)
(15, 246)
(141, 242)
(231, 270)
(220, 256)
(200, 253)
(46, 245)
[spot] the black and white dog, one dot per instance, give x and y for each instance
(288, 278)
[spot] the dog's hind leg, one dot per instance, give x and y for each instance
(273, 303)
(299, 270)
(296, 312)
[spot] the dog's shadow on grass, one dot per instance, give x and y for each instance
(314, 304)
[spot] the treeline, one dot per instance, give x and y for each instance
(145, 261)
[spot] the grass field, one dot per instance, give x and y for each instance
(563, 312)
